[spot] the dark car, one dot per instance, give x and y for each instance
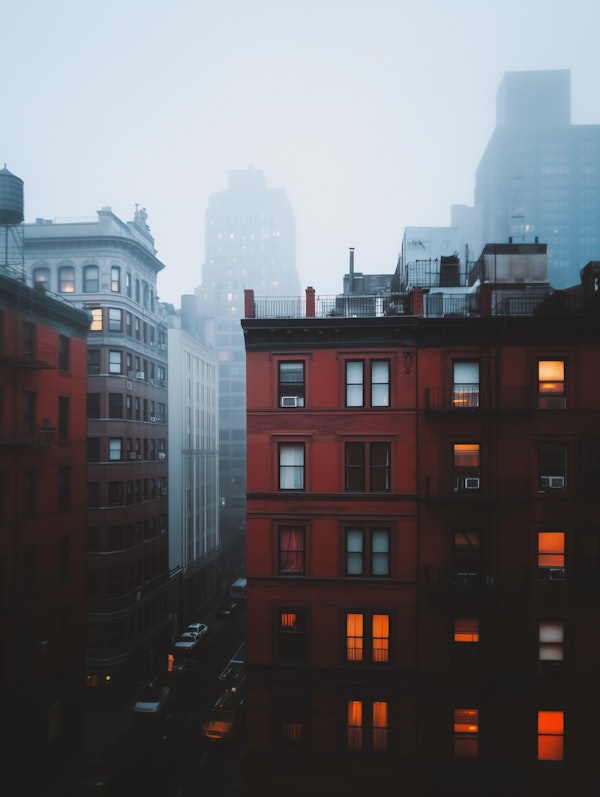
(227, 608)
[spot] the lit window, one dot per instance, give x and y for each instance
(364, 736)
(551, 641)
(465, 385)
(354, 637)
(291, 466)
(551, 555)
(367, 637)
(466, 629)
(466, 732)
(41, 277)
(551, 729)
(466, 466)
(380, 726)
(355, 712)
(381, 637)
(66, 279)
(551, 384)
(115, 279)
(96, 324)
(114, 448)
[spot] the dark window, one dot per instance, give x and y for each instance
(28, 339)
(30, 570)
(93, 405)
(115, 319)
(93, 449)
(291, 635)
(291, 551)
(466, 557)
(64, 352)
(115, 405)
(378, 467)
(93, 361)
(115, 493)
(29, 493)
(115, 538)
(552, 467)
(63, 417)
(291, 384)
(29, 411)
(64, 488)
(93, 494)
(64, 559)
(91, 279)
(92, 536)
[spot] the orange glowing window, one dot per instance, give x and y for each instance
(466, 732)
(466, 629)
(354, 637)
(466, 455)
(551, 376)
(96, 324)
(381, 637)
(292, 731)
(551, 549)
(551, 729)
(355, 711)
(380, 726)
(288, 620)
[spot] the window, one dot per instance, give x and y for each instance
(29, 493)
(367, 637)
(64, 559)
(93, 494)
(466, 466)
(379, 373)
(375, 561)
(291, 466)
(115, 445)
(292, 726)
(128, 283)
(63, 417)
(357, 467)
(291, 384)
(115, 319)
(93, 405)
(96, 322)
(115, 279)
(29, 339)
(64, 352)
(115, 362)
(66, 279)
(29, 411)
(551, 385)
(93, 362)
(292, 635)
(115, 405)
(465, 385)
(115, 493)
(64, 488)
(93, 449)
(552, 467)
(41, 278)
(291, 551)
(466, 557)
(551, 730)
(91, 279)
(466, 629)
(466, 732)
(551, 635)
(465, 651)
(551, 555)
(363, 735)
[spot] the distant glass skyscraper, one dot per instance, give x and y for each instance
(540, 175)
(250, 242)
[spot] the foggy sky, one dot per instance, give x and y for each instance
(372, 115)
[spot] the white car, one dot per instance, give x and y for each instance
(199, 629)
(187, 642)
(152, 700)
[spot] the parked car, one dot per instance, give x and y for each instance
(227, 608)
(187, 642)
(225, 717)
(153, 699)
(199, 629)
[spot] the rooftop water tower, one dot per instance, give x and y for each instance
(12, 252)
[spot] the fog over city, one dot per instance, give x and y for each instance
(372, 115)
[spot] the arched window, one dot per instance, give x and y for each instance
(91, 279)
(41, 277)
(66, 279)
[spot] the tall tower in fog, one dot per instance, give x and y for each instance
(540, 175)
(250, 242)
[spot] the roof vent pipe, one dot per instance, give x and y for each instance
(351, 269)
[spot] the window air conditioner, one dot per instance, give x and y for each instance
(472, 483)
(290, 401)
(162, 456)
(132, 455)
(153, 419)
(139, 375)
(552, 482)
(556, 574)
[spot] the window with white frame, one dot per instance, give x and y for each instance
(372, 378)
(367, 551)
(115, 446)
(91, 279)
(115, 362)
(465, 384)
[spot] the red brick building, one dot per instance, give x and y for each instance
(42, 522)
(423, 542)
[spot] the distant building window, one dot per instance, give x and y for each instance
(115, 493)
(115, 279)
(41, 278)
(115, 319)
(291, 466)
(367, 726)
(96, 322)
(466, 732)
(64, 488)
(66, 279)
(115, 405)
(128, 283)
(93, 405)
(551, 385)
(551, 634)
(551, 730)
(64, 353)
(91, 279)
(292, 635)
(552, 467)
(367, 637)
(115, 445)
(93, 449)
(466, 467)
(291, 384)
(63, 417)
(551, 555)
(466, 629)
(465, 385)
(29, 339)
(291, 551)
(115, 362)
(93, 494)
